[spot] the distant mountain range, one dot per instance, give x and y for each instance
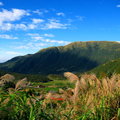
(75, 57)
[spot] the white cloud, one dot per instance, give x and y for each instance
(5, 36)
(6, 26)
(37, 38)
(49, 35)
(8, 55)
(1, 4)
(55, 24)
(31, 26)
(38, 12)
(56, 41)
(118, 6)
(24, 26)
(33, 34)
(60, 14)
(81, 18)
(36, 21)
(12, 53)
(20, 26)
(6, 17)
(40, 38)
(8, 20)
(42, 35)
(22, 47)
(13, 15)
(38, 41)
(32, 45)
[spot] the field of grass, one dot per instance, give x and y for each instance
(84, 98)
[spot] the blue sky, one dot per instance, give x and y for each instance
(27, 26)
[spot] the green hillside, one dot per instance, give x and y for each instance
(108, 68)
(30, 77)
(75, 57)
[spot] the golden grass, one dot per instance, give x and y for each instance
(21, 84)
(90, 98)
(7, 77)
(89, 84)
(72, 77)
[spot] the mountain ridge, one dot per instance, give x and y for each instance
(74, 57)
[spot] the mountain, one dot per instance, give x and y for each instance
(108, 68)
(75, 57)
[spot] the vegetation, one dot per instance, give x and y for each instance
(85, 98)
(75, 57)
(31, 77)
(107, 69)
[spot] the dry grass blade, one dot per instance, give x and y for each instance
(21, 84)
(7, 78)
(91, 82)
(105, 84)
(70, 76)
(111, 83)
(76, 91)
(98, 83)
(83, 84)
(90, 99)
(118, 84)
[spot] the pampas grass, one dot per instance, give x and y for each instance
(21, 84)
(90, 99)
(72, 77)
(7, 78)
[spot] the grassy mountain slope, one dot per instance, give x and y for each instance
(75, 57)
(108, 68)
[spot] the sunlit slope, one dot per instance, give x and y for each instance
(108, 68)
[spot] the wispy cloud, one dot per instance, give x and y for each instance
(5, 36)
(18, 19)
(56, 41)
(60, 14)
(12, 53)
(39, 41)
(38, 12)
(32, 34)
(13, 15)
(31, 45)
(6, 17)
(36, 21)
(118, 6)
(48, 40)
(81, 18)
(8, 54)
(49, 35)
(19, 26)
(35, 24)
(1, 4)
(55, 24)
(40, 35)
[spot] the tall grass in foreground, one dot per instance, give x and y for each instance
(91, 99)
